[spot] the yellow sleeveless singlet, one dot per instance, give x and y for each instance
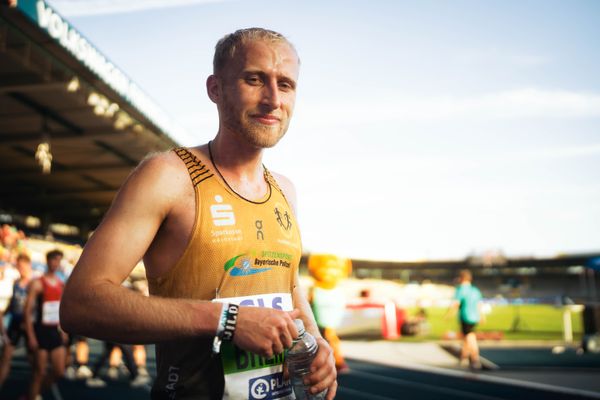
(240, 251)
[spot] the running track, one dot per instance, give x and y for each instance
(365, 381)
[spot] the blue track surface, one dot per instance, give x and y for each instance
(365, 381)
(376, 382)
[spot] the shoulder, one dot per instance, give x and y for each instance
(160, 165)
(158, 175)
(287, 187)
(35, 285)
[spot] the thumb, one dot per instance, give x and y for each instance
(295, 313)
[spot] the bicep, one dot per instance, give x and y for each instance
(127, 230)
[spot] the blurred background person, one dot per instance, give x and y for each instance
(467, 301)
(16, 306)
(78, 368)
(45, 338)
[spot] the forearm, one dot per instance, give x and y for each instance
(28, 321)
(306, 313)
(110, 312)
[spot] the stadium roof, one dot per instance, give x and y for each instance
(56, 88)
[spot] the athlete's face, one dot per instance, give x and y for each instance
(54, 263)
(258, 92)
(24, 268)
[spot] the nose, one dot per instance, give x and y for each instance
(271, 95)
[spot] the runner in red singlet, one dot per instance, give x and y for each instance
(45, 338)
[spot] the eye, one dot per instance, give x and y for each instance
(285, 86)
(253, 80)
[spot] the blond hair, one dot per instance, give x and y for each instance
(227, 47)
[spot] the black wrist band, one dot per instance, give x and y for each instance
(226, 328)
(230, 322)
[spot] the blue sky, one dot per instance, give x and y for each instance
(423, 129)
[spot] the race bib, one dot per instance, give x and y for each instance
(50, 314)
(248, 375)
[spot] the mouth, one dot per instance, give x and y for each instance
(266, 119)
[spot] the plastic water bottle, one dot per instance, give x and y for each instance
(299, 358)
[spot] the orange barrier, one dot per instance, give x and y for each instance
(392, 317)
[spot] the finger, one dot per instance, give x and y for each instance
(322, 385)
(286, 339)
(321, 358)
(276, 344)
(292, 328)
(322, 378)
(332, 391)
(325, 382)
(277, 347)
(267, 353)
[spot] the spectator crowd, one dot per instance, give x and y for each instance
(32, 274)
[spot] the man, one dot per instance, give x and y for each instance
(16, 307)
(229, 237)
(45, 338)
(467, 300)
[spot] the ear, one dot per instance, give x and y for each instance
(212, 88)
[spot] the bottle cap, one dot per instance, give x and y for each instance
(299, 326)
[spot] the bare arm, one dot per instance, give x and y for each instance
(2, 328)
(124, 316)
(120, 241)
(324, 374)
(33, 290)
(452, 309)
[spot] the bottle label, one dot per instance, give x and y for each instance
(248, 375)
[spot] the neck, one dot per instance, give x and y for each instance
(235, 158)
(240, 167)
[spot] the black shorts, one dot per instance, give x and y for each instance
(15, 331)
(467, 328)
(48, 337)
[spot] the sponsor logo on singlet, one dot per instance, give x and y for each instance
(223, 219)
(269, 387)
(257, 262)
(284, 219)
(260, 235)
(222, 214)
(241, 265)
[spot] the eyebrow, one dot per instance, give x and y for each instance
(262, 74)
